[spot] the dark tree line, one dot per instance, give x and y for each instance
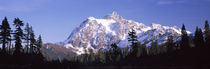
(7, 35)
(190, 50)
(19, 46)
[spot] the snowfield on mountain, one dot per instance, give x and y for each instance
(98, 34)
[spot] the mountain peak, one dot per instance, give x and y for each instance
(115, 13)
(115, 16)
(98, 34)
(91, 18)
(155, 24)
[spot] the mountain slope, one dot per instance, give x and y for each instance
(100, 33)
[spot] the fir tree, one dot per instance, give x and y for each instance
(126, 52)
(139, 51)
(92, 56)
(207, 33)
(18, 35)
(157, 49)
(152, 48)
(170, 44)
(117, 52)
(5, 33)
(32, 41)
(101, 56)
(144, 49)
(184, 39)
(109, 55)
(27, 36)
(133, 39)
(39, 43)
(198, 39)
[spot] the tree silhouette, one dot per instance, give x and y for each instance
(18, 35)
(207, 33)
(92, 56)
(27, 37)
(198, 38)
(184, 39)
(170, 44)
(39, 44)
(133, 39)
(5, 33)
(101, 56)
(32, 40)
(139, 51)
(126, 52)
(116, 52)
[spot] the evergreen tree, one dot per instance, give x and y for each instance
(144, 49)
(5, 33)
(101, 56)
(152, 48)
(184, 39)
(157, 49)
(69, 57)
(139, 51)
(133, 39)
(39, 44)
(117, 52)
(114, 46)
(109, 55)
(27, 36)
(116, 49)
(18, 35)
(163, 49)
(198, 39)
(207, 34)
(170, 44)
(32, 41)
(92, 56)
(126, 52)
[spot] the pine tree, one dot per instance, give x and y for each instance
(198, 38)
(185, 39)
(39, 44)
(27, 36)
(32, 41)
(5, 33)
(18, 35)
(126, 52)
(101, 56)
(69, 57)
(157, 49)
(133, 39)
(152, 48)
(144, 49)
(207, 34)
(92, 56)
(109, 55)
(139, 49)
(114, 46)
(117, 52)
(170, 44)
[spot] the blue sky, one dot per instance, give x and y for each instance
(55, 19)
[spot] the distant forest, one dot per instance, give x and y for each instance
(21, 50)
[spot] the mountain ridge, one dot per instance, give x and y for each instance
(96, 33)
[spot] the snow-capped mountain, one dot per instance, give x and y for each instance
(96, 33)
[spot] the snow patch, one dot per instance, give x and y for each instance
(106, 23)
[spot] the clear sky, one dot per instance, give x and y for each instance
(55, 19)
